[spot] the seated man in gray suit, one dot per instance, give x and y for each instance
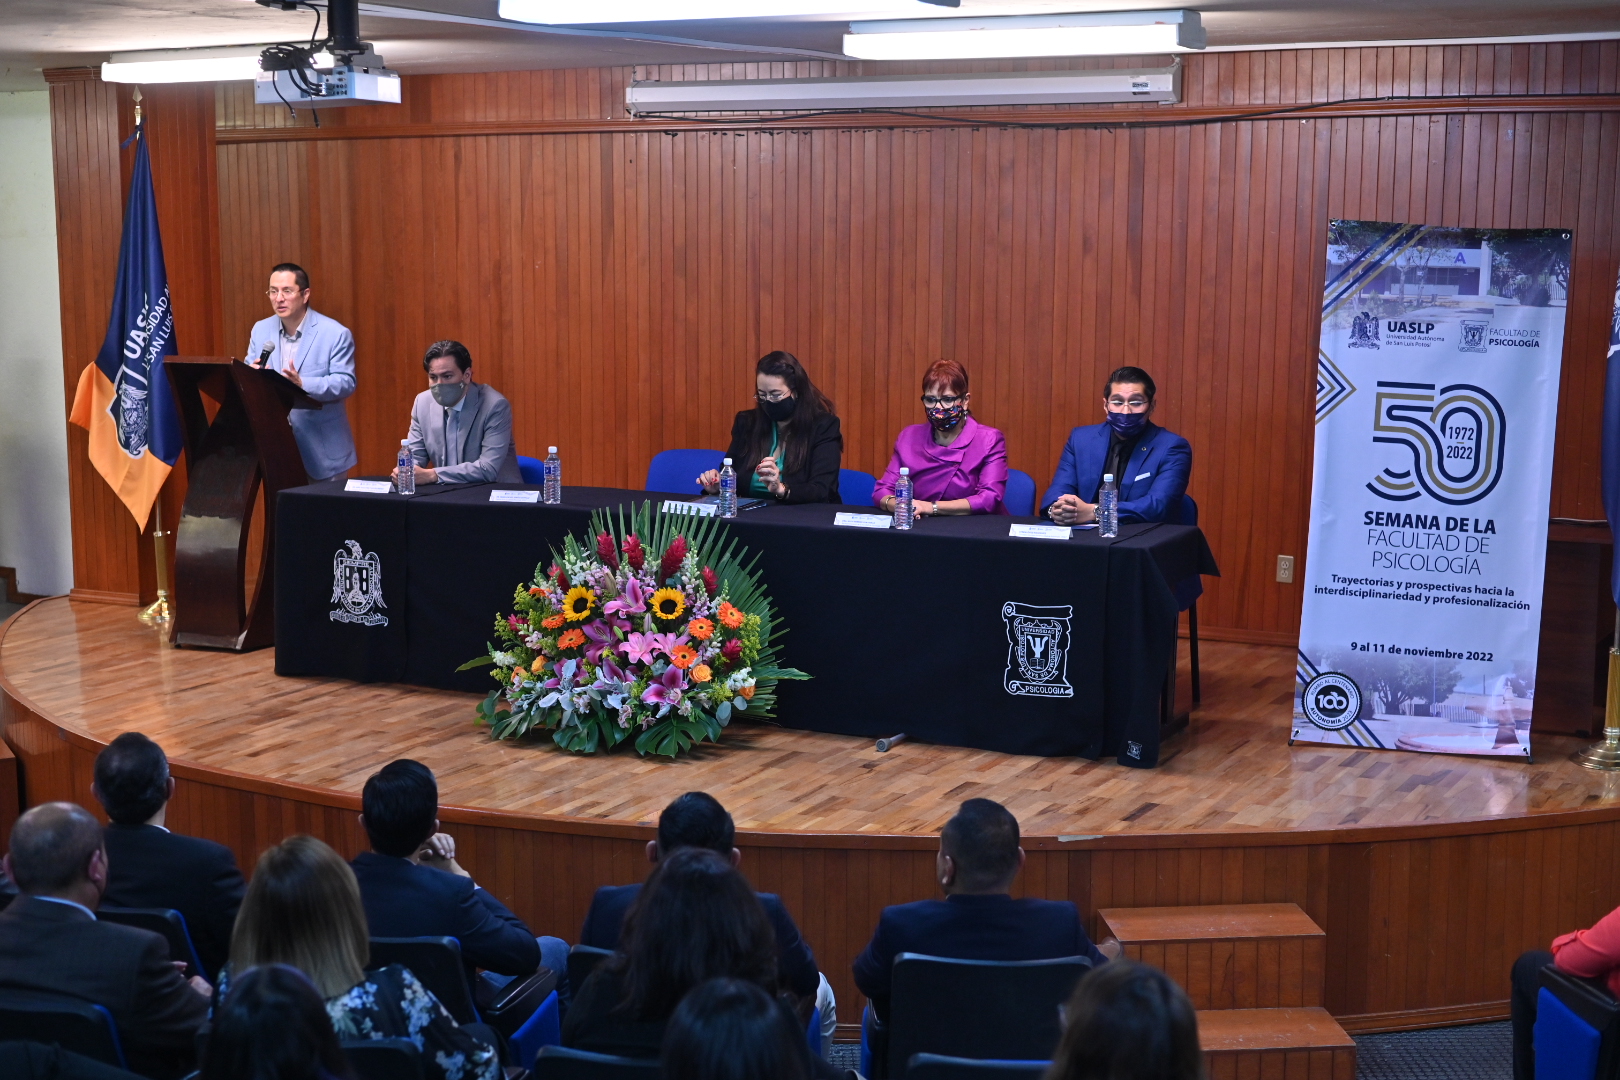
(461, 431)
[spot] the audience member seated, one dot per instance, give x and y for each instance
(149, 866)
(273, 1026)
(697, 820)
(978, 859)
(729, 1029)
(1589, 954)
(303, 909)
(36, 1061)
(412, 886)
(50, 941)
(1128, 1022)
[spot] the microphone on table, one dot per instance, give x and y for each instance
(265, 355)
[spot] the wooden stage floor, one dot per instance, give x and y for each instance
(97, 672)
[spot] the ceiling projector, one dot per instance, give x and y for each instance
(341, 70)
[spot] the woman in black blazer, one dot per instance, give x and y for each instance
(789, 446)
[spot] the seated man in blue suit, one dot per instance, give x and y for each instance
(1150, 464)
(697, 819)
(412, 886)
(979, 856)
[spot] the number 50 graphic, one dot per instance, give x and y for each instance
(1457, 439)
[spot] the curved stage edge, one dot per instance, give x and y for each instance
(1429, 874)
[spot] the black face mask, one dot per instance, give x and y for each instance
(778, 411)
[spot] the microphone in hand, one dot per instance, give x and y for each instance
(265, 355)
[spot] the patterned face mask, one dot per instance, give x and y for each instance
(945, 417)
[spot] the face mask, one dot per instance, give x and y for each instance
(447, 394)
(779, 410)
(1127, 424)
(943, 418)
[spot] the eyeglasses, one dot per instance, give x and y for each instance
(940, 402)
(1135, 404)
(773, 397)
(289, 292)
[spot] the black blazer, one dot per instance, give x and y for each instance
(58, 949)
(970, 928)
(403, 899)
(795, 963)
(148, 867)
(816, 482)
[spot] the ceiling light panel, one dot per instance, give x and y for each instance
(571, 12)
(1126, 33)
(235, 63)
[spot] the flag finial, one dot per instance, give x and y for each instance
(137, 106)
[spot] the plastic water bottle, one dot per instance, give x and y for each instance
(551, 478)
(727, 502)
(1108, 507)
(406, 484)
(904, 514)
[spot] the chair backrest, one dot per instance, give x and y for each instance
(940, 1067)
(1577, 1031)
(985, 1009)
(384, 1059)
(561, 1063)
(855, 487)
(165, 922)
(1020, 496)
(533, 469)
(1189, 511)
(436, 963)
(582, 960)
(80, 1026)
(678, 470)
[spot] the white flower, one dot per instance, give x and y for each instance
(505, 659)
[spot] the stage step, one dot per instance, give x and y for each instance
(1275, 1044)
(1228, 956)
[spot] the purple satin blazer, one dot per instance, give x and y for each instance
(974, 467)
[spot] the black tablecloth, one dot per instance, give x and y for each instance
(917, 632)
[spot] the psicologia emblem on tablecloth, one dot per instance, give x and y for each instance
(1037, 649)
(357, 586)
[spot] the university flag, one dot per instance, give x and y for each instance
(1611, 438)
(123, 398)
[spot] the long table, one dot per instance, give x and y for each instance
(953, 633)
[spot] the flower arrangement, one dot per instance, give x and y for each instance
(654, 627)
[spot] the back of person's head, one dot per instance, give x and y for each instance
(696, 919)
(1128, 1022)
(400, 804)
(303, 908)
(729, 1029)
(51, 847)
(982, 840)
(696, 820)
(273, 1026)
(132, 778)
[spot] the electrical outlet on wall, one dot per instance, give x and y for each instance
(1285, 569)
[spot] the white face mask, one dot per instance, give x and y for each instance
(447, 394)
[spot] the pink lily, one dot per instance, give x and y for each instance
(665, 690)
(666, 643)
(602, 639)
(640, 648)
(633, 601)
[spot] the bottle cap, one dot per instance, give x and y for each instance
(551, 449)
(404, 442)
(728, 461)
(1108, 478)
(904, 471)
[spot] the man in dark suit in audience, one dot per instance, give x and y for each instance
(51, 942)
(979, 857)
(697, 819)
(412, 886)
(151, 867)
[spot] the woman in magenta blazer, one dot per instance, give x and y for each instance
(958, 465)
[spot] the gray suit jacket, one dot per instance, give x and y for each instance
(326, 364)
(487, 452)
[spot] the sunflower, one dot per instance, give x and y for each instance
(552, 622)
(571, 639)
(730, 617)
(683, 656)
(700, 629)
(579, 603)
(668, 604)
(702, 673)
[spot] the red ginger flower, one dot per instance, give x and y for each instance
(634, 553)
(732, 649)
(711, 581)
(557, 576)
(674, 555)
(606, 551)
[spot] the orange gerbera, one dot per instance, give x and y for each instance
(683, 656)
(701, 673)
(571, 639)
(552, 622)
(700, 629)
(747, 692)
(535, 590)
(730, 617)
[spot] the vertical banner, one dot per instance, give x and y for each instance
(1436, 401)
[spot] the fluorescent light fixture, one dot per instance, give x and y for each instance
(1106, 34)
(226, 64)
(907, 91)
(566, 12)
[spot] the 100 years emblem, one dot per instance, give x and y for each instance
(357, 587)
(1037, 650)
(1331, 700)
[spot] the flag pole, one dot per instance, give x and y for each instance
(1605, 755)
(159, 612)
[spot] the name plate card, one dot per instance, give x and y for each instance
(1041, 532)
(693, 509)
(373, 487)
(514, 496)
(864, 521)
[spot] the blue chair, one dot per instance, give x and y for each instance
(542, 1029)
(168, 924)
(70, 1023)
(940, 1067)
(533, 469)
(1020, 496)
(1577, 1024)
(678, 470)
(562, 1063)
(1187, 594)
(855, 487)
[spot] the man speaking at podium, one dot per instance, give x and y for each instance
(317, 354)
(461, 431)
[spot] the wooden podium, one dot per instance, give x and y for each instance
(246, 447)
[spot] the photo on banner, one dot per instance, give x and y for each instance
(1436, 404)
